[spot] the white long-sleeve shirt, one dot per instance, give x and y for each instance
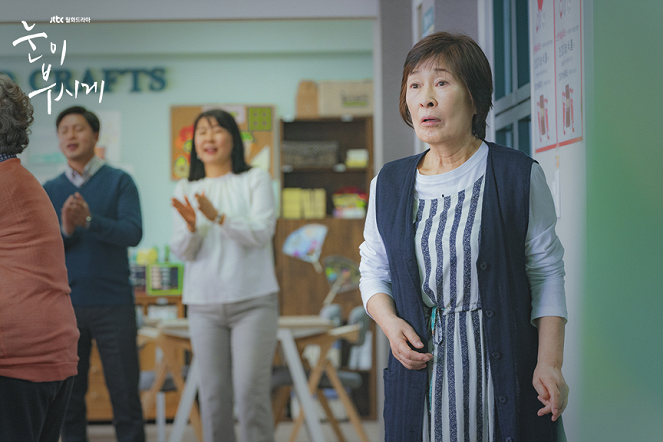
(233, 261)
(544, 265)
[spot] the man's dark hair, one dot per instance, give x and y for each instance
(90, 117)
(15, 117)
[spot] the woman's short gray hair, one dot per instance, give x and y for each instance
(15, 117)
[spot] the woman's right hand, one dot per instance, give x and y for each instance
(401, 335)
(402, 338)
(187, 211)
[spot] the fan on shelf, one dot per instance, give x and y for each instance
(306, 243)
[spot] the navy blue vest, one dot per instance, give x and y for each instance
(511, 340)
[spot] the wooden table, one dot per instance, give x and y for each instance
(173, 341)
(290, 329)
(144, 300)
(294, 334)
(300, 338)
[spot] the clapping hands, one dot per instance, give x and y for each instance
(74, 213)
(189, 213)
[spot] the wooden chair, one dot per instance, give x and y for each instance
(324, 375)
(169, 375)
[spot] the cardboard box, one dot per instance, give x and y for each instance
(307, 99)
(339, 98)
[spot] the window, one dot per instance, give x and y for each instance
(511, 64)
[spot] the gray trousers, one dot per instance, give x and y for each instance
(233, 345)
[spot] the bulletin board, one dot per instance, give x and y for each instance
(257, 124)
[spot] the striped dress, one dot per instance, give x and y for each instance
(460, 402)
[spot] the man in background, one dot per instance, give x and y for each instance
(100, 217)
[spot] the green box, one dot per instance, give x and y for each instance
(164, 279)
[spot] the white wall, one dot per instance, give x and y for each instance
(571, 229)
(212, 62)
(571, 162)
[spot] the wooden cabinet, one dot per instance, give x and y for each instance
(303, 290)
(99, 407)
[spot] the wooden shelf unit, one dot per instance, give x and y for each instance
(303, 290)
(355, 133)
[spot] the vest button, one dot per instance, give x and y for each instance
(503, 399)
(508, 439)
(490, 313)
(483, 265)
(497, 355)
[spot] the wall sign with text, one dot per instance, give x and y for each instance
(556, 73)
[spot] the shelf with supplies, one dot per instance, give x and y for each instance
(328, 154)
(328, 159)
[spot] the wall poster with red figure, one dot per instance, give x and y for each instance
(542, 74)
(556, 73)
(568, 62)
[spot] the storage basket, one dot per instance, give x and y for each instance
(310, 153)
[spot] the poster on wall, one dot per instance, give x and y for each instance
(556, 73)
(257, 124)
(568, 65)
(108, 146)
(542, 70)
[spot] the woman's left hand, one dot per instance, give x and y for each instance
(206, 207)
(553, 391)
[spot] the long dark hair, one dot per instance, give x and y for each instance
(225, 120)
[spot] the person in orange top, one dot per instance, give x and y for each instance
(38, 333)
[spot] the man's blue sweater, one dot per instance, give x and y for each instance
(97, 261)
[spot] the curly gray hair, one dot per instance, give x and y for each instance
(15, 117)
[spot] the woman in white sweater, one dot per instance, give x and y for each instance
(223, 227)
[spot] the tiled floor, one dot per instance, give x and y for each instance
(106, 433)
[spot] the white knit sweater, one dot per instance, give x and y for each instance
(233, 261)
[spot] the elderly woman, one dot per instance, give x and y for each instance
(38, 333)
(462, 269)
